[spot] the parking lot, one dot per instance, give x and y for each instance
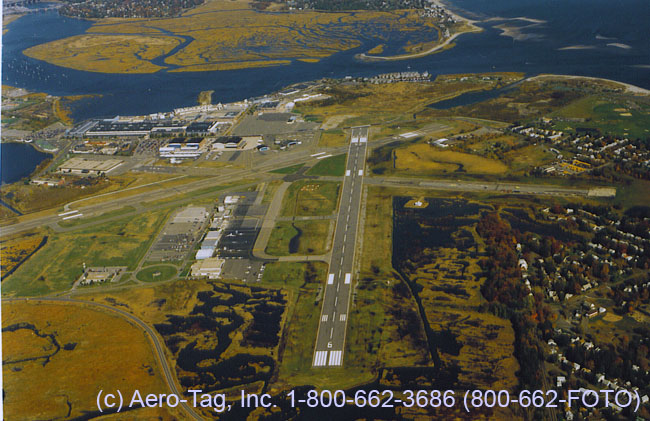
(179, 235)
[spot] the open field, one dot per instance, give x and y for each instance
(334, 166)
(633, 194)
(626, 117)
(60, 262)
(61, 355)
(528, 157)
(271, 38)
(15, 251)
(333, 138)
(156, 273)
(395, 103)
(421, 158)
(288, 170)
(313, 238)
(29, 198)
(306, 198)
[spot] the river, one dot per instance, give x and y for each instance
(599, 38)
(18, 160)
(605, 39)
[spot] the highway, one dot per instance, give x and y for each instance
(157, 346)
(330, 339)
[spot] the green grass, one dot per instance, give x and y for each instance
(312, 241)
(308, 198)
(634, 194)
(156, 273)
(288, 170)
(292, 274)
(60, 262)
(333, 166)
(606, 115)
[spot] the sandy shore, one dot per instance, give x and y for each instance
(470, 23)
(629, 88)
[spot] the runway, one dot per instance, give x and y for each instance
(330, 340)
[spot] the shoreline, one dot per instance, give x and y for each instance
(629, 88)
(439, 47)
(32, 144)
(50, 156)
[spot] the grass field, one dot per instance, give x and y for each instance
(394, 104)
(634, 194)
(88, 351)
(333, 138)
(129, 45)
(626, 117)
(423, 158)
(333, 166)
(528, 157)
(307, 198)
(313, 239)
(156, 273)
(29, 198)
(60, 262)
(288, 170)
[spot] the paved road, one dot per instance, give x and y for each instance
(158, 347)
(330, 340)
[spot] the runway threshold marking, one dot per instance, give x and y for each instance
(320, 358)
(342, 317)
(335, 357)
(324, 319)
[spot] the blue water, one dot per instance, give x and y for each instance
(535, 50)
(18, 160)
